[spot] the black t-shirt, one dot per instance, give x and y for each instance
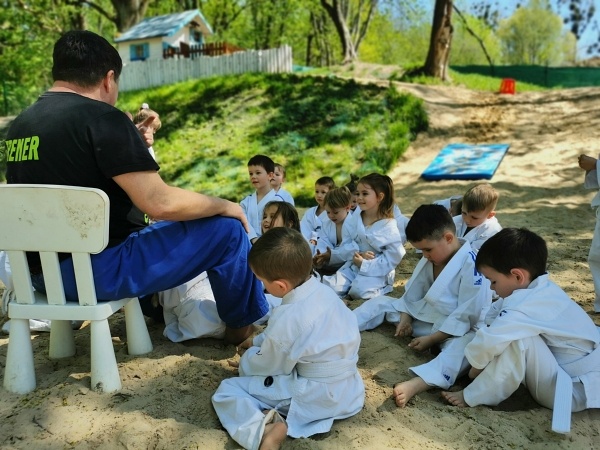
(68, 139)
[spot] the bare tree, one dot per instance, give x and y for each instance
(351, 19)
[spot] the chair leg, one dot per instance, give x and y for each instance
(104, 373)
(19, 374)
(138, 338)
(62, 342)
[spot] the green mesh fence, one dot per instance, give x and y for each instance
(565, 77)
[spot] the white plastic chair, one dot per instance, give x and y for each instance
(61, 219)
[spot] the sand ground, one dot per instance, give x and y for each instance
(165, 401)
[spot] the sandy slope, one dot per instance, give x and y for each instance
(165, 402)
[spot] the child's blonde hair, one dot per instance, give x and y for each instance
(143, 113)
(338, 198)
(381, 184)
(481, 197)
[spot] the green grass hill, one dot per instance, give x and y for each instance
(313, 125)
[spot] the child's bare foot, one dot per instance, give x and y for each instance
(274, 435)
(403, 392)
(455, 398)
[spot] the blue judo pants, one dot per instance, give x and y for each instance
(166, 254)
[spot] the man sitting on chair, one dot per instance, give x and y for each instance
(73, 135)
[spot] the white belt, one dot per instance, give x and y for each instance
(329, 371)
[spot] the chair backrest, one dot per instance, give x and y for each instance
(52, 219)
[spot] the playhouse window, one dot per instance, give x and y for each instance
(139, 52)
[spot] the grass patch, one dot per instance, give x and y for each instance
(313, 125)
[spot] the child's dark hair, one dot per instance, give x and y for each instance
(512, 248)
(429, 222)
(338, 198)
(263, 161)
(281, 253)
(351, 185)
(325, 181)
(287, 212)
(381, 184)
(481, 197)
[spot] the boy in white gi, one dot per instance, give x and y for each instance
(260, 170)
(592, 181)
(536, 335)
(330, 254)
(313, 217)
(303, 365)
(441, 306)
(477, 221)
(277, 182)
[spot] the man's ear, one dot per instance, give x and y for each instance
(521, 275)
(107, 80)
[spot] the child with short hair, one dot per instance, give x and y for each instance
(442, 303)
(260, 170)
(536, 335)
(312, 220)
(303, 365)
(142, 115)
(373, 233)
(478, 221)
(330, 255)
(351, 185)
(280, 214)
(277, 182)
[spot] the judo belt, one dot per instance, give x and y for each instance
(563, 396)
(329, 372)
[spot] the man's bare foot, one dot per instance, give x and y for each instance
(403, 392)
(274, 435)
(236, 336)
(455, 398)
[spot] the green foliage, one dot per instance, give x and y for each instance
(314, 126)
(534, 35)
(466, 49)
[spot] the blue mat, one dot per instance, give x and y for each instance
(466, 162)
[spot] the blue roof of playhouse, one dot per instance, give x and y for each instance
(166, 25)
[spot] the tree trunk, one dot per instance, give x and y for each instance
(129, 12)
(436, 64)
(351, 22)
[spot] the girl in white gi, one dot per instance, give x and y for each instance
(279, 214)
(376, 239)
(442, 304)
(313, 217)
(277, 182)
(303, 366)
(260, 170)
(536, 335)
(477, 221)
(330, 255)
(592, 181)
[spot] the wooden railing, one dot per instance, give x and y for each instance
(193, 51)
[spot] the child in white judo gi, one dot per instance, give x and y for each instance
(442, 305)
(300, 374)
(592, 181)
(477, 221)
(313, 217)
(373, 232)
(260, 170)
(277, 182)
(536, 335)
(330, 254)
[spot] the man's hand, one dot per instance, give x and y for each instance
(320, 259)
(587, 163)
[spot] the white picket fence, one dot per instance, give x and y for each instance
(158, 72)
